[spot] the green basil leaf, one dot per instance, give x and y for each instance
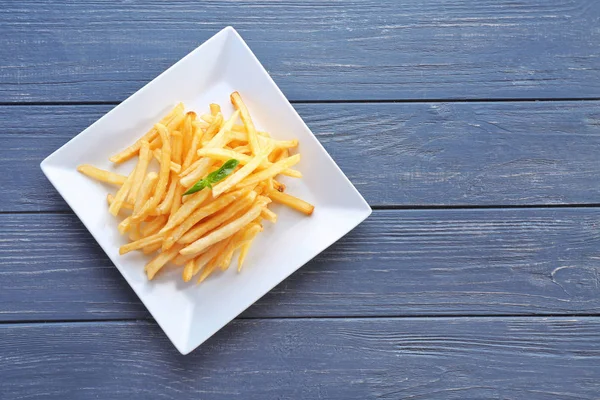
(226, 169)
(198, 186)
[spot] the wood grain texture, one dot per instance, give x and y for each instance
(397, 263)
(317, 50)
(467, 358)
(420, 154)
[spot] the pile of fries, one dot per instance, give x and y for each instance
(208, 199)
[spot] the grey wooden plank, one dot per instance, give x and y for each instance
(397, 263)
(419, 154)
(325, 50)
(440, 358)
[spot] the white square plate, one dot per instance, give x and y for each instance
(189, 313)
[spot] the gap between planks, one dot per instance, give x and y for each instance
(389, 207)
(305, 101)
(440, 317)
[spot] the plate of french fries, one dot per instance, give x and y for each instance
(210, 195)
(205, 189)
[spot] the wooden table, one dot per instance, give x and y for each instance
(471, 127)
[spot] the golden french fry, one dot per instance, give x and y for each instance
(176, 152)
(243, 253)
(269, 187)
(172, 120)
(209, 269)
(190, 154)
(191, 168)
(124, 225)
(284, 153)
(200, 127)
(225, 154)
(260, 188)
(139, 244)
(121, 196)
(274, 155)
(151, 248)
(218, 219)
(236, 128)
(291, 173)
(134, 232)
(126, 206)
(280, 187)
(285, 144)
(154, 225)
(165, 206)
(187, 133)
(215, 109)
(174, 166)
(209, 118)
(249, 236)
(224, 262)
(156, 144)
(177, 199)
(268, 215)
(200, 214)
(210, 132)
(213, 128)
(238, 133)
(102, 175)
(270, 172)
(263, 201)
(181, 260)
(238, 103)
(159, 261)
(291, 201)
(189, 265)
(203, 125)
(145, 191)
(223, 232)
(140, 171)
(219, 140)
(242, 149)
(177, 146)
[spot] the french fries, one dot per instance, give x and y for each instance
(210, 192)
(163, 177)
(173, 119)
(199, 215)
(241, 173)
(145, 191)
(226, 154)
(218, 219)
(140, 171)
(293, 202)
(219, 140)
(236, 99)
(102, 175)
